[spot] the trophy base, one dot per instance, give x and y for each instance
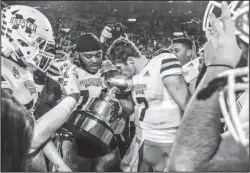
(94, 138)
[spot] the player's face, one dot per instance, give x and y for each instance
(180, 51)
(126, 69)
(91, 60)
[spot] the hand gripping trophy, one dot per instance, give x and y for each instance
(92, 126)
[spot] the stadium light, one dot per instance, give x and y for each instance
(178, 33)
(132, 20)
(170, 1)
(170, 11)
(189, 1)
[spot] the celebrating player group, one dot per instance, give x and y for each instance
(111, 108)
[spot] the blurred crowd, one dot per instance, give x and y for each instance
(150, 32)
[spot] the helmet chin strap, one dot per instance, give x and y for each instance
(8, 52)
(6, 47)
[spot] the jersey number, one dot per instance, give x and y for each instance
(85, 97)
(139, 101)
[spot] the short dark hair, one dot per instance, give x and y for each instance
(128, 49)
(183, 40)
(16, 133)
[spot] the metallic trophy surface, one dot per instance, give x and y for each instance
(93, 134)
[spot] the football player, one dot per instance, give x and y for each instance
(183, 48)
(160, 94)
(202, 147)
(89, 60)
(27, 45)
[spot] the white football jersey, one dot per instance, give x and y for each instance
(90, 84)
(20, 82)
(90, 87)
(155, 110)
(191, 72)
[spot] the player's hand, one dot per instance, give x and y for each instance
(57, 70)
(71, 85)
(116, 107)
(106, 33)
(65, 74)
(222, 47)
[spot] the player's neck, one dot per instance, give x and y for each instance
(187, 60)
(141, 64)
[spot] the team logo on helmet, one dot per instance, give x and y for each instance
(16, 73)
(18, 21)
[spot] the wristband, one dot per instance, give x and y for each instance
(222, 65)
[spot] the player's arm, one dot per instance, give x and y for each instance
(52, 120)
(229, 157)
(171, 74)
(199, 145)
(57, 116)
(127, 104)
(106, 33)
(6, 85)
(49, 149)
(52, 154)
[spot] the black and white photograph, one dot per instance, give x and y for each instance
(125, 86)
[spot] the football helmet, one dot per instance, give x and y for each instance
(233, 84)
(27, 37)
(234, 112)
(239, 13)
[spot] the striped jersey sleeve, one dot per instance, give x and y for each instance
(5, 84)
(170, 65)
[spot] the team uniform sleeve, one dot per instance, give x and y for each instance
(5, 84)
(170, 65)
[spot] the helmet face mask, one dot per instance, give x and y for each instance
(234, 106)
(46, 52)
(28, 34)
(239, 13)
(235, 113)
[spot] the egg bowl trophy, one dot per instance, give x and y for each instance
(91, 128)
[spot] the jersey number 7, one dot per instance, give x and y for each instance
(139, 101)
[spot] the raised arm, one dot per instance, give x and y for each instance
(199, 145)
